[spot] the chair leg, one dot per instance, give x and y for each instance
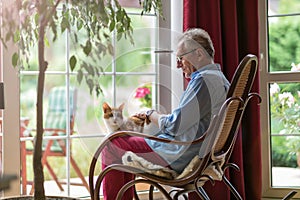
(74, 164)
(45, 163)
(133, 182)
(201, 192)
(151, 190)
(228, 184)
(24, 168)
(232, 189)
(289, 195)
(53, 176)
(180, 193)
(79, 173)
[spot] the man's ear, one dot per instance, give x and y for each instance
(200, 52)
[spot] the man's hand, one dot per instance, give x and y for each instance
(140, 115)
(145, 116)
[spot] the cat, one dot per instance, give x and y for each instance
(114, 120)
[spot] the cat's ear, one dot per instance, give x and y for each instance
(121, 107)
(106, 107)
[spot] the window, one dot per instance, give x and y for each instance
(280, 89)
(131, 67)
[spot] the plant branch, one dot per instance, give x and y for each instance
(46, 20)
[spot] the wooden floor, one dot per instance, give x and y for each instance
(282, 177)
(81, 192)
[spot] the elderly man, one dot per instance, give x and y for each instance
(203, 97)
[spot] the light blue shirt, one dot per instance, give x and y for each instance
(203, 98)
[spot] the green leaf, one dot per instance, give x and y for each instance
(46, 42)
(79, 24)
(15, 59)
(119, 36)
(98, 90)
(64, 8)
(17, 36)
(106, 35)
(75, 37)
(90, 84)
(73, 62)
(64, 24)
(87, 48)
(73, 12)
(36, 18)
(112, 25)
(110, 49)
(89, 69)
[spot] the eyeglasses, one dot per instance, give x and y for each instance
(179, 58)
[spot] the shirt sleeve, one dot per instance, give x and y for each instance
(194, 105)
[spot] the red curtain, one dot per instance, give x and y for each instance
(233, 27)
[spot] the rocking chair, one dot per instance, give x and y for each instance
(211, 162)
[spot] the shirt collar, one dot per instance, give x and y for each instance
(214, 66)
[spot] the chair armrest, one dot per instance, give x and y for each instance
(110, 137)
(151, 137)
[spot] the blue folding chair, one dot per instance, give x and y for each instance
(56, 125)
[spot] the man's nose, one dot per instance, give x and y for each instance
(179, 64)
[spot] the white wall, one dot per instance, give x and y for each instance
(11, 119)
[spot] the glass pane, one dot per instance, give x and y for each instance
(84, 149)
(136, 92)
(284, 106)
(285, 133)
(284, 49)
(97, 57)
(138, 60)
(133, 7)
(285, 162)
(55, 56)
(145, 21)
(88, 120)
(139, 56)
(283, 6)
(82, 158)
(55, 103)
(55, 164)
(28, 95)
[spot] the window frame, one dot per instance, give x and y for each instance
(267, 77)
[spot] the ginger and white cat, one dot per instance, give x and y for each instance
(114, 120)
